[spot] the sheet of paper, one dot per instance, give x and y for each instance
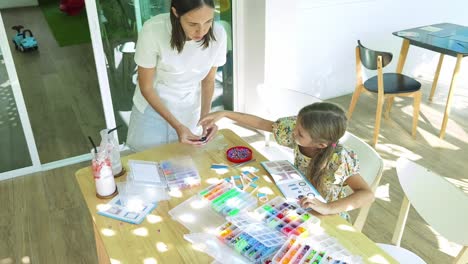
(145, 171)
(430, 28)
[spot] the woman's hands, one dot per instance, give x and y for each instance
(187, 137)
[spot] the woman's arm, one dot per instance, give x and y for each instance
(145, 81)
(362, 195)
(207, 90)
(244, 119)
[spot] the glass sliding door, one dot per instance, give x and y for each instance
(18, 153)
(118, 23)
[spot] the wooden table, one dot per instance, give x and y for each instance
(450, 40)
(159, 239)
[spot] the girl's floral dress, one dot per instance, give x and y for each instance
(343, 164)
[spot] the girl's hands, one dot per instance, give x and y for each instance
(210, 119)
(315, 204)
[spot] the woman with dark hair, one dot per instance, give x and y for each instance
(177, 56)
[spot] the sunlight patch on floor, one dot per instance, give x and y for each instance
(449, 248)
(462, 184)
(382, 192)
(434, 140)
(398, 151)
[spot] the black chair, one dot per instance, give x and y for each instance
(385, 85)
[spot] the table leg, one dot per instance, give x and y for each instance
(436, 77)
(450, 95)
(462, 256)
(402, 58)
(103, 258)
(401, 222)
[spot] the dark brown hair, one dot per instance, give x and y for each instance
(178, 36)
(326, 123)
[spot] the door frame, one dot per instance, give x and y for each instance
(20, 106)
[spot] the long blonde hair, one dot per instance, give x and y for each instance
(326, 123)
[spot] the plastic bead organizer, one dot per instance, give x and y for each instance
(257, 236)
(322, 249)
(180, 173)
(251, 239)
(285, 217)
(228, 200)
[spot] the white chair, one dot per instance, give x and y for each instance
(371, 165)
(441, 204)
(401, 255)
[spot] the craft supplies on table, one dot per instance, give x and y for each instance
(133, 193)
(207, 209)
(239, 154)
(228, 200)
(179, 173)
(287, 218)
(290, 180)
(130, 213)
(319, 249)
(249, 237)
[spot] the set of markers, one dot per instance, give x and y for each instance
(251, 239)
(228, 200)
(321, 249)
(285, 217)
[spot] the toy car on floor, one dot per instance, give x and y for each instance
(24, 40)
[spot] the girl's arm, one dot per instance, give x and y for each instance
(145, 81)
(362, 195)
(241, 118)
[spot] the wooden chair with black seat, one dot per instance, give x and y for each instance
(385, 85)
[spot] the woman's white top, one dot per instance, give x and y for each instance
(178, 75)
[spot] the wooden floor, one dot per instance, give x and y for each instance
(60, 89)
(446, 157)
(44, 220)
(12, 156)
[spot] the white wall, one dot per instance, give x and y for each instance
(17, 3)
(249, 50)
(327, 35)
(307, 47)
(265, 60)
